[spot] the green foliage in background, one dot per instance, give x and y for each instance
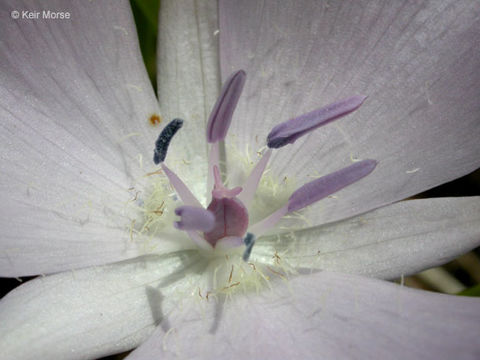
(145, 13)
(473, 291)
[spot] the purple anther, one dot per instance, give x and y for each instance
(326, 185)
(221, 116)
(289, 131)
(194, 218)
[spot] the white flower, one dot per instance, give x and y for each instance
(79, 189)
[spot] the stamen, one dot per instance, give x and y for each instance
(194, 218)
(316, 190)
(182, 190)
(249, 241)
(289, 131)
(251, 184)
(161, 145)
(329, 184)
(221, 116)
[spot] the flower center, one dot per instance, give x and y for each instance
(225, 222)
(231, 216)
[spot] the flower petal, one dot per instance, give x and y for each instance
(188, 82)
(400, 239)
(68, 79)
(328, 316)
(93, 312)
(417, 62)
(75, 102)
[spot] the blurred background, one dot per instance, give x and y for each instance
(459, 277)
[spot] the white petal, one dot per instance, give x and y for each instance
(188, 82)
(82, 78)
(75, 102)
(417, 62)
(93, 312)
(324, 316)
(400, 239)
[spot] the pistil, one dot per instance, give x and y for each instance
(225, 221)
(231, 215)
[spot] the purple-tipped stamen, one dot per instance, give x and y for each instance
(221, 116)
(316, 190)
(289, 131)
(225, 221)
(194, 218)
(329, 184)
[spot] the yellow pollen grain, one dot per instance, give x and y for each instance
(155, 119)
